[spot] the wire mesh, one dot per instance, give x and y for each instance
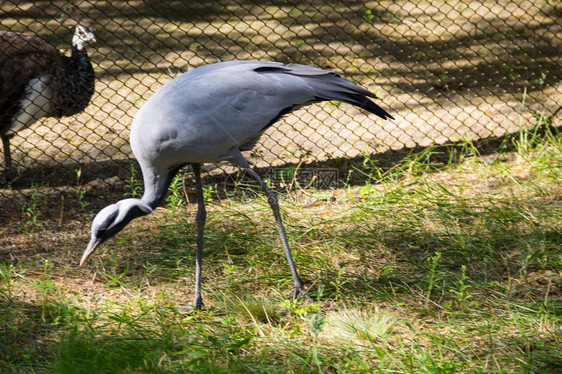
(446, 70)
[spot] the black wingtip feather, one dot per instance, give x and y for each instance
(375, 109)
(330, 86)
(359, 100)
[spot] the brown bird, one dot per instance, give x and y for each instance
(37, 81)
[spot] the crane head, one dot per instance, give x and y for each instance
(112, 219)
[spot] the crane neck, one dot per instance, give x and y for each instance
(156, 185)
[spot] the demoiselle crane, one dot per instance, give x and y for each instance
(210, 114)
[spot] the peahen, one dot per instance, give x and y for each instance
(36, 81)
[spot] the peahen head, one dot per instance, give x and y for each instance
(83, 34)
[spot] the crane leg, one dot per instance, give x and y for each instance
(273, 200)
(200, 221)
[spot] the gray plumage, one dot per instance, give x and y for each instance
(37, 81)
(211, 114)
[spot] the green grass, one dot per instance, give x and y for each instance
(442, 267)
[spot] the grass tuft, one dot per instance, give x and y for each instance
(362, 326)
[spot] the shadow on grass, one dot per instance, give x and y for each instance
(106, 182)
(52, 337)
(510, 71)
(55, 337)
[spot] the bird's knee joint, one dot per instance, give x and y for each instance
(273, 198)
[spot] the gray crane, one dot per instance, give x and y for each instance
(210, 114)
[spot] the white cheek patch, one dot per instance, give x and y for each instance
(81, 36)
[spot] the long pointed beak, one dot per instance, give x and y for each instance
(94, 243)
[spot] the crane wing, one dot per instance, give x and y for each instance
(209, 111)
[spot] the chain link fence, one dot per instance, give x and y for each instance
(446, 70)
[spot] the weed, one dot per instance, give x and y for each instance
(287, 175)
(45, 288)
(82, 200)
(209, 193)
(316, 323)
(31, 213)
(338, 284)
(368, 16)
(81, 193)
(7, 272)
(115, 280)
(300, 44)
(175, 198)
(133, 188)
(434, 275)
(461, 291)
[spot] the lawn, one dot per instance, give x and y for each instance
(450, 261)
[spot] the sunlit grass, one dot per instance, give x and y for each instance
(362, 326)
(440, 268)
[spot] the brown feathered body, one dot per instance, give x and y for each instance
(36, 81)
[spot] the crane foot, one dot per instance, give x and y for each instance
(299, 292)
(185, 309)
(188, 309)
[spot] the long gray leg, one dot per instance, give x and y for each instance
(200, 221)
(273, 200)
